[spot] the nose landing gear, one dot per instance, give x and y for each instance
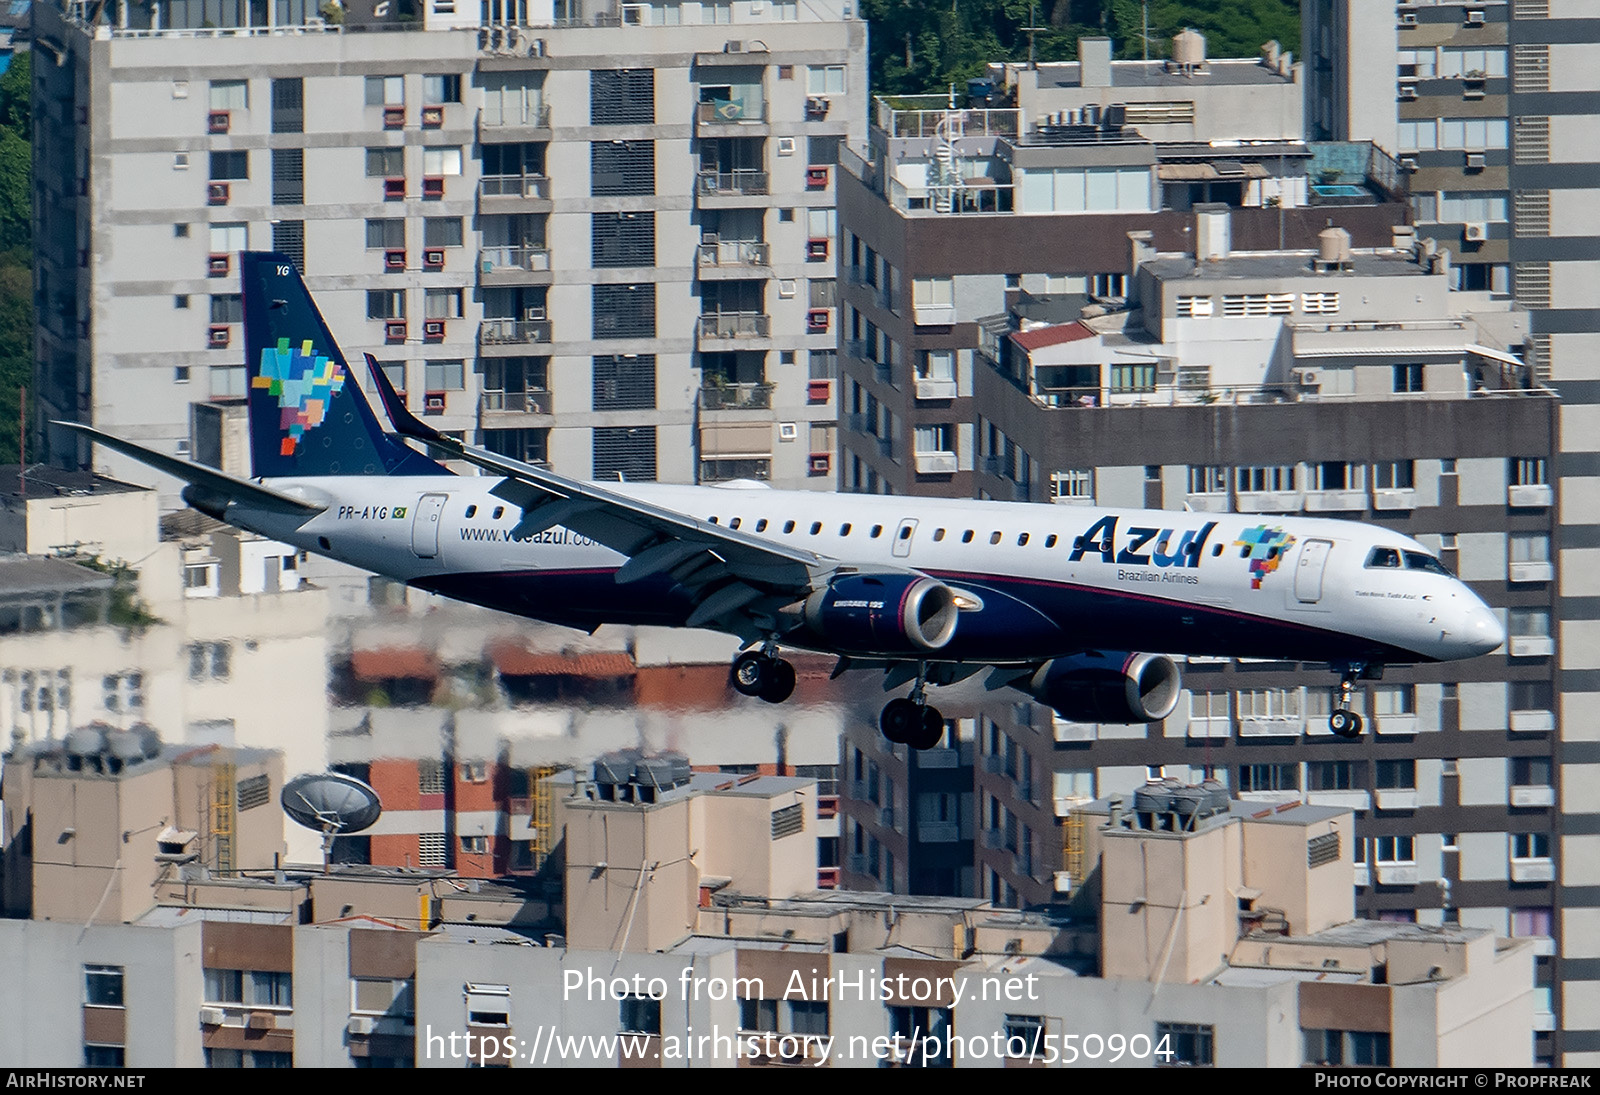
(1343, 721)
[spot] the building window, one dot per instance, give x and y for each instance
(1351, 1048)
(386, 163)
(1337, 475)
(624, 311)
(622, 96)
(438, 90)
(288, 176)
(474, 845)
(288, 105)
(1530, 772)
(386, 91)
(444, 376)
(1530, 547)
(102, 986)
(625, 382)
(1395, 775)
(1277, 704)
(1528, 473)
(443, 303)
(386, 234)
(441, 232)
(1408, 378)
(289, 240)
(441, 161)
(1075, 486)
(1394, 851)
(531, 446)
(824, 79)
(378, 996)
(123, 691)
(1395, 475)
(1333, 775)
(227, 308)
(640, 1015)
(99, 1056)
(1530, 845)
(230, 95)
(622, 168)
(1133, 378)
(758, 1015)
(623, 239)
(230, 165)
(210, 661)
(628, 451)
(385, 303)
(933, 292)
(430, 777)
(1281, 479)
(1185, 1044)
(1269, 777)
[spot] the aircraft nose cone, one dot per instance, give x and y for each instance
(1481, 631)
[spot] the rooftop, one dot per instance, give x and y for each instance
(1285, 264)
(1131, 74)
(43, 481)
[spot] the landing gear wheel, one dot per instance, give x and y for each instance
(780, 682)
(900, 719)
(752, 672)
(928, 731)
(1346, 724)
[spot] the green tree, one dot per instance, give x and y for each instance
(16, 247)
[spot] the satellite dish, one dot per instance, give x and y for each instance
(332, 804)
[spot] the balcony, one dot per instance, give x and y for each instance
(1336, 501)
(736, 397)
(1532, 572)
(1533, 722)
(516, 116)
(1396, 798)
(509, 332)
(1394, 499)
(1271, 726)
(935, 463)
(1530, 496)
(933, 315)
(1533, 796)
(726, 253)
(1347, 800)
(725, 113)
(741, 183)
(1395, 724)
(1397, 874)
(537, 402)
(734, 325)
(523, 187)
(928, 387)
(1533, 870)
(507, 260)
(1532, 646)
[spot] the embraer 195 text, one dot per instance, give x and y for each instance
(1055, 601)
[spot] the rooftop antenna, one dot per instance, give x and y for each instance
(1032, 28)
(331, 803)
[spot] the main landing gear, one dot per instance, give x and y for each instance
(912, 720)
(1345, 722)
(762, 673)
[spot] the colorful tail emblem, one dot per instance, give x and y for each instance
(304, 382)
(1265, 548)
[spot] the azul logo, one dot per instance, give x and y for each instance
(1142, 546)
(1265, 548)
(303, 382)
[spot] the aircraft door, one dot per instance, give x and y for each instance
(1308, 572)
(425, 525)
(903, 535)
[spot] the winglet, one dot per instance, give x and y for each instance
(405, 423)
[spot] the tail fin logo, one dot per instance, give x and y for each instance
(304, 382)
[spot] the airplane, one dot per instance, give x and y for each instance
(1083, 608)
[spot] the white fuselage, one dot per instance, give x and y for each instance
(1058, 578)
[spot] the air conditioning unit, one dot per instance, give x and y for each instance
(262, 1020)
(212, 1017)
(536, 47)
(733, 47)
(1308, 378)
(536, 314)
(433, 403)
(433, 259)
(819, 463)
(433, 117)
(1475, 232)
(1475, 160)
(218, 121)
(817, 177)
(217, 193)
(219, 336)
(362, 1024)
(1407, 92)
(394, 259)
(819, 391)
(433, 330)
(1475, 18)
(394, 117)
(786, 146)
(817, 249)
(788, 431)
(394, 330)
(818, 320)
(217, 266)
(1408, 19)
(433, 187)
(394, 190)
(1408, 163)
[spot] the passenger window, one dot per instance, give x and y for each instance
(844, 529)
(966, 537)
(761, 525)
(471, 510)
(938, 534)
(788, 527)
(994, 538)
(1022, 539)
(816, 527)
(498, 510)
(1050, 541)
(1385, 558)
(714, 520)
(734, 523)
(877, 531)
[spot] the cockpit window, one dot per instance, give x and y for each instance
(1416, 560)
(1387, 558)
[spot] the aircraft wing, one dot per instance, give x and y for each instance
(739, 581)
(209, 490)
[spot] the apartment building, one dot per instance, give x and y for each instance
(599, 235)
(1212, 933)
(1494, 105)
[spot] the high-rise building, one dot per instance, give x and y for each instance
(1494, 104)
(597, 235)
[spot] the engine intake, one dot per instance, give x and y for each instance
(1109, 686)
(883, 613)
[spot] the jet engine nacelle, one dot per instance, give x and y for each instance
(883, 614)
(1109, 686)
